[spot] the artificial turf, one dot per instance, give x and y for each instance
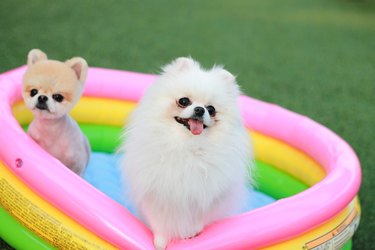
(314, 57)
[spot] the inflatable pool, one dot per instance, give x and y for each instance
(311, 172)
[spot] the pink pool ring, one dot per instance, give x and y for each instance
(296, 221)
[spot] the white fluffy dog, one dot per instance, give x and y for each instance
(187, 152)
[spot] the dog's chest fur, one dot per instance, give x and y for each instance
(185, 172)
(63, 139)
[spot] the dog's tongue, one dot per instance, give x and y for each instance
(196, 126)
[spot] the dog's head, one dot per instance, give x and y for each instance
(51, 88)
(195, 100)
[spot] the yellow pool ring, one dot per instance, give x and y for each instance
(267, 149)
(57, 228)
(287, 158)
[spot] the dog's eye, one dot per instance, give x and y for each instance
(184, 102)
(211, 110)
(58, 97)
(33, 92)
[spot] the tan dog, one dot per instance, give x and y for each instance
(50, 90)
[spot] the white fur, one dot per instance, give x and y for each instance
(181, 182)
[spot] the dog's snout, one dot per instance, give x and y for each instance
(42, 99)
(199, 111)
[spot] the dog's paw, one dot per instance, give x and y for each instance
(193, 232)
(160, 242)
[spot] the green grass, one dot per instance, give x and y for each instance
(314, 57)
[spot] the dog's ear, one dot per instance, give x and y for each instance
(181, 64)
(224, 74)
(228, 79)
(34, 56)
(79, 66)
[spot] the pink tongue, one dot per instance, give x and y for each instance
(196, 127)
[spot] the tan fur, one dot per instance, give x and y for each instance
(52, 128)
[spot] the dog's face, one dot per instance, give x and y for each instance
(51, 88)
(195, 117)
(192, 100)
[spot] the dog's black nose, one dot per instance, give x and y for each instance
(199, 111)
(42, 99)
